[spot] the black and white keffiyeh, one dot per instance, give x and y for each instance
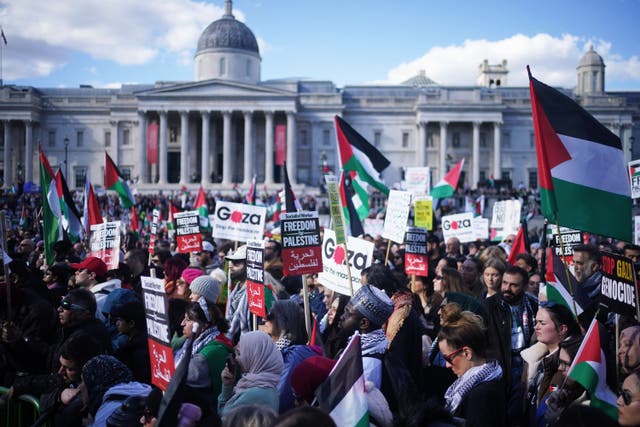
(477, 375)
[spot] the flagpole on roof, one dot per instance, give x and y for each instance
(4, 43)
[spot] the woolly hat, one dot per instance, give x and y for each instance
(206, 286)
(309, 374)
(100, 374)
(373, 304)
(188, 274)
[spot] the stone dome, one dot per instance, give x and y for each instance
(591, 58)
(227, 32)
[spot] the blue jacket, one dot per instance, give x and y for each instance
(292, 356)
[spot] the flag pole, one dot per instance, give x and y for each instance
(307, 312)
(386, 257)
(566, 269)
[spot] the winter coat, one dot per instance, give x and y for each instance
(292, 356)
(114, 397)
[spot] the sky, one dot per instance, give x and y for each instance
(106, 43)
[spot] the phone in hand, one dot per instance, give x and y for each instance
(231, 362)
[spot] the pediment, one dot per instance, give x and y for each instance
(212, 89)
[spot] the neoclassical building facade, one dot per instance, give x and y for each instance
(227, 125)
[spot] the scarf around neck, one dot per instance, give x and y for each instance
(203, 339)
(469, 380)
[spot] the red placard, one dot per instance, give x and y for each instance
(152, 143)
(281, 144)
(416, 264)
(162, 368)
(416, 260)
(188, 235)
(255, 298)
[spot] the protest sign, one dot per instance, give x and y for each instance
(416, 181)
(618, 285)
(153, 235)
(257, 297)
(634, 177)
(636, 234)
(301, 244)
(506, 216)
(415, 252)
(423, 213)
(480, 228)
(156, 308)
(335, 208)
(334, 273)
(188, 237)
(458, 225)
(239, 222)
(373, 226)
(395, 220)
(104, 243)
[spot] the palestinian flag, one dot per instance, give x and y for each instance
(25, 223)
(360, 197)
(347, 194)
(171, 224)
(92, 213)
(447, 185)
(135, 226)
(51, 214)
(290, 201)
(71, 223)
(203, 212)
(519, 246)
(342, 395)
(589, 369)
(113, 180)
(582, 173)
(480, 201)
(562, 286)
(251, 195)
(358, 155)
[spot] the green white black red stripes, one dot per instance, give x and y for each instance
(113, 181)
(447, 185)
(51, 213)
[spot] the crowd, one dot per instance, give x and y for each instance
(475, 342)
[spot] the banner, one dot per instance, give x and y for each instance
(281, 144)
(334, 262)
(634, 177)
(417, 181)
(458, 225)
(301, 245)
(480, 228)
(153, 235)
(395, 220)
(415, 252)
(373, 226)
(188, 237)
(156, 308)
(618, 285)
(255, 278)
(335, 208)
(423, 213)
(152, 143)
(506, 216)
(104, 243)
(238, 222)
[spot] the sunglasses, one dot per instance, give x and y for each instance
(237, 262)
(449, 357)
(66, 305)
(626, 397)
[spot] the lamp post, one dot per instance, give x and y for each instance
(66, 158)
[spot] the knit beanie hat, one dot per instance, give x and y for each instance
(206, 286)
(188, 274)
(373, 304)
(309, 374)
(100, 374)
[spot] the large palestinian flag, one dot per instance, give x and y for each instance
(447, 185)
(562, 287)
(113, 180)
(51, 213)
(582, 173)
(358, 155)
(589, 369)
(203, 211)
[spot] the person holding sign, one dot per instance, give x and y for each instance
(237, 302)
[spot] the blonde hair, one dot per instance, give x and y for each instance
(463, 329)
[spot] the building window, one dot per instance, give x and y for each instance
(506, 175)
(533, 178)
(506, 140)
(126, 172)
(405, 139)
(377, 138)
(125, 137)
(223, 66)
(532, 139)
(326, 137)
(429, 139)
(248, 70)
(483, 176)
(80, 176)
(80, 139)
(52, 138)
(173, 134)
(107, 138)
(483, 139)
(455, 140)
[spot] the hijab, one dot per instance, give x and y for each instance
(261, 362)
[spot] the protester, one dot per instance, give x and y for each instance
(250, 415)
(237, 304)
(492, 275)
(173, 268)
(629, 349)
(90, 274)
(334, 338)
(471, 272)
(628, 408)
(134, 352)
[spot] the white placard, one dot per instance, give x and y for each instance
(334, 270)
(239, 222)
(636, 234)
(506, 216)
(480, 228)
(460, 226)
(395, 220)
(417, 181)
(373, 226)
(634, 177)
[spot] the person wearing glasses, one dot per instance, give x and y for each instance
(237, 303)
(629, 401)
(478, 394)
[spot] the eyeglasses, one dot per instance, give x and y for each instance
(237, 262)
(626, 397)
(438, 277)
(66, 305)
(449, 357)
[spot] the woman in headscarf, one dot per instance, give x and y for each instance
(478, 395)
(260, 364)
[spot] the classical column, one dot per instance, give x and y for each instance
(162, 152)
(476, 155)
(268, 147)
(28, 151)
(421, 149)
(226, 147)
(292, 166)
(114, 142)
(443, 149)
(142, 148)
(206, 145)
(184, 147)
(626, 147)
(7, 153)
(248, 129)
(497, 169)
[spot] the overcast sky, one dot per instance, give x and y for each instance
(105, 43)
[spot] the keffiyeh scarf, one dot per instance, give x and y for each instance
(477, 375)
